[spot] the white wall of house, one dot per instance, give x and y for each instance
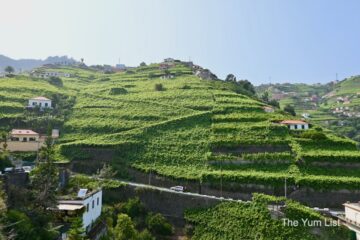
(93, 209)
(298, 126)
(40, 103)
(25, 137)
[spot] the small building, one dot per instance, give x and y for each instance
(268, 109)
(120, 66)
(55, 133)
(169, 60)
(352, 217)
(41, 102)
(164, 66)
(45, 74)
(305, 115)
(86, 204)
(295, 124)
(24, 135)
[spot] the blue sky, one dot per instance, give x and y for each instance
(259, 40)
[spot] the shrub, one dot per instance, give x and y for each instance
(157, 224)
(312, 134)
(117, 91)
(186, 87)
(56, 81)
(159, 87)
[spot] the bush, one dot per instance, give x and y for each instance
(157, 224)
(117, 91)
(56, 81)
(133, 207)
(312, 134)
(159, 87)
(186, 87)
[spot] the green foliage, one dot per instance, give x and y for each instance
(158, 225)
(159, 87)
(252, 220)
(117, 91)
(290, 109)
(56, 81)
(124, 229)
(76, 231)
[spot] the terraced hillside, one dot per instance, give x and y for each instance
(335, 105)
(256, 220)
(172, 123)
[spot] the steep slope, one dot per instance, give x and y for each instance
(175, 124)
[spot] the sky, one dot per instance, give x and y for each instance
(264, 41)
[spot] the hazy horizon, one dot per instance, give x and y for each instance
(262, 41)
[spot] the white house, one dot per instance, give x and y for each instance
(295, 124)
(41, 74)
(352, 217)
(89, 205)
(268, 109)
(42, 102)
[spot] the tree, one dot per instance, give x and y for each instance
(159, 87)
(142, 64)
(56, 81)
(44, 180)
(106, 172)
(145, 235)
(124, 229)
(9, 69)
(290, 109)
(247, 85)
(265, 97)
(76, 231)
(157, 224)
(230, 78)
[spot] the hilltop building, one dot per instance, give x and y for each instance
(41, 102)
(45, 74)
(120, 66)
(169, 60)
(295, 124)
(86, 205)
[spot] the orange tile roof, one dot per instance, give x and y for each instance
(293, 122)
(23, 132)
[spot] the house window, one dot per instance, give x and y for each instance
(87, 207)
(93, 203)
(32, 139)
(97, 201)
(46, 104)
(24, 139)
(34, 103)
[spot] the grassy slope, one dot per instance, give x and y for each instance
(175, 132)
(252, 220)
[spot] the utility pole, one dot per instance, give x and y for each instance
(336, 78)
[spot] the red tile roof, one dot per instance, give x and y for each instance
(23, 132)
(293, 122)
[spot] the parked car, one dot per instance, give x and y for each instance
(177, 188)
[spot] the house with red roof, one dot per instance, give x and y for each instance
(24, 135)
(295, 124)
